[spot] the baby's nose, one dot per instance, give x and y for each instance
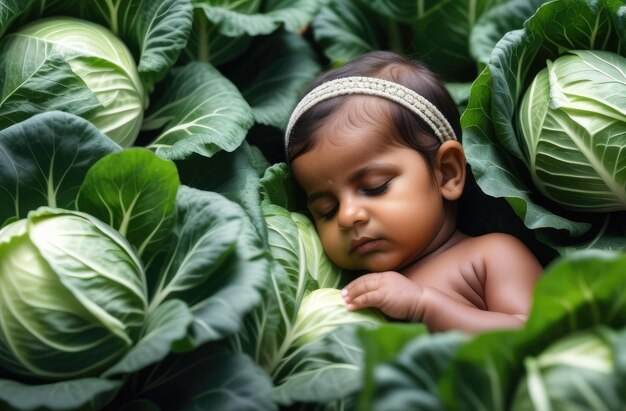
(352, 214)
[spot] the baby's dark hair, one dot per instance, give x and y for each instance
(410, 130)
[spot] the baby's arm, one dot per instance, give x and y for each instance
(402, 299)
(510, 272)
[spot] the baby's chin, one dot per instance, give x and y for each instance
(373, 267)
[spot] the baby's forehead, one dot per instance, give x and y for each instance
(360, 113)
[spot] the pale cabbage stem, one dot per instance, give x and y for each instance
(521, 74)
(113, 9)
(287, 359)
(108, 208)
(276, 357)
(574, 359)
(283, 361)
(259, 342)
(126, 215)
(52, 198)
(594, 33)
(162, 290)
(472, 13)
(536, 386)
(597, 166)
(289, 338)
(602, 230)
(492, 371)
(149, 237)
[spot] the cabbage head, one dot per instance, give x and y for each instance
(324, 310)
(573, 122)
(93, 53)
(72, 295)
(574, 373)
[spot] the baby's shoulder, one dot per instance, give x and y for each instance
(487, 249)
(500, 252)
(492, 241)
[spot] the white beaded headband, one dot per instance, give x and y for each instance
(372, 86)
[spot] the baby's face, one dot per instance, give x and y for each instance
(376, 207)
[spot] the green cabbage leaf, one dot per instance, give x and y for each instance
(495, 147)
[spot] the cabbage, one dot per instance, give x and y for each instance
(573, 128)
(327, 274)
(76, 320)
(324, 310)
(63, 47)
(549, 138)
(576, 372)
(72, 295)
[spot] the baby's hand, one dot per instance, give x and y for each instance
(391, 292)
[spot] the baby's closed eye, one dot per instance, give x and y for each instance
(376, 190)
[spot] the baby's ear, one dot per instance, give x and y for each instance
(450, 169)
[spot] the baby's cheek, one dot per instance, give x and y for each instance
(332, 246)
(337, 251)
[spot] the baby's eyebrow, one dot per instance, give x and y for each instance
(373, 168)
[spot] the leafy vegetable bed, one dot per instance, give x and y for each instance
(153, 250)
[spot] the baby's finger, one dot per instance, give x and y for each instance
(363, 284)
(368, 299)
(346, 295)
